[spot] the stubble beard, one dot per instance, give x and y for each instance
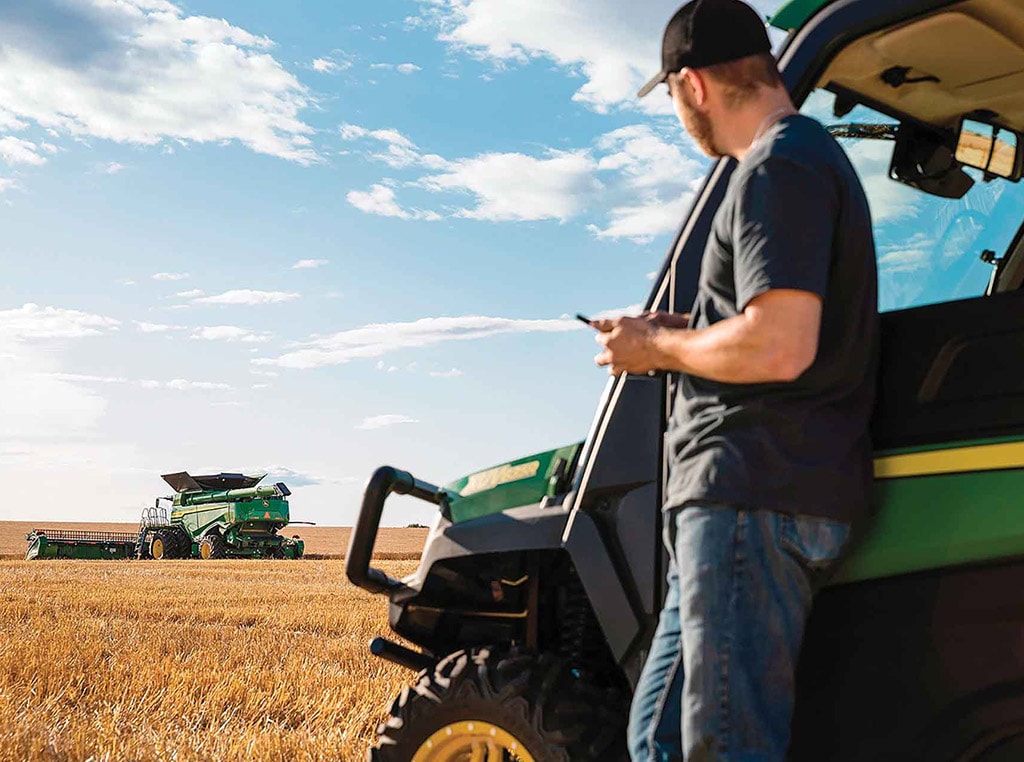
(699, 126)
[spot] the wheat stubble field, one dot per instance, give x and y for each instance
(192, 660)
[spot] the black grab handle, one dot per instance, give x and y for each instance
(384, 481)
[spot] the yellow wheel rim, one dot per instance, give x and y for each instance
(472, 741)
(205, 550)
(157, 548)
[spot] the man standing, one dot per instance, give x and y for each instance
(770, 457)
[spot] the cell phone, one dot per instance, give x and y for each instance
(585, 319)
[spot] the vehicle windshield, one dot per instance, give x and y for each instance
(929, 248)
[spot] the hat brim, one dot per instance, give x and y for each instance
(652, 83)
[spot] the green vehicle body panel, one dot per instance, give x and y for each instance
(921, 521)
(510, 485)
(933, 520)
(795, 13)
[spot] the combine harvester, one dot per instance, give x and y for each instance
(216, 516)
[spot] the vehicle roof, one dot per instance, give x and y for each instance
(795, 13)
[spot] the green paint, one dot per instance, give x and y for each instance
(929, 522)
(104, 545)
(795, 13)
(471, 497)
(922, 522)
(946, 446)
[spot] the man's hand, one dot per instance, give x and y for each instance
(667, 319)
(774, 339)
(628, 344)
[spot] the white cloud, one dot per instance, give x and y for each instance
(380, 199)
(156, 327)
(141, 72)
(401, 152)
(178, 384)
(889, 201)
(6, 183)
(329, 65)
(631, 311)
(182, 385)
(658, 180)
(295, 478)
(514, 186)
(308, 264)
(248, 296)
(126, 282)
(354, 132)
(640, 180)
(907, 256)
(641, 222)
(30, 321)
(87, 378)
(402, 68)
(112, 168)
(379, 339)
(615, 46)
(453, 373)
(192, 293)
(169, 276)
(383, 421)
(32, 404)
(231, 333)
(17, 151)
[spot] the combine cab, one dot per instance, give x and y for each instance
(216, 516)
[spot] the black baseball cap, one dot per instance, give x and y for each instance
(707, 32)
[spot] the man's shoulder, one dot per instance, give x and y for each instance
(797, 138)
(797, 147)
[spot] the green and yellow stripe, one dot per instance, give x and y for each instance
(951, 460)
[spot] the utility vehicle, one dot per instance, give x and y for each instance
(540, 583)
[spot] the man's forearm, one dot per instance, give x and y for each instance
(736, 350)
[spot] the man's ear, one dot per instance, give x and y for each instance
(697, 83)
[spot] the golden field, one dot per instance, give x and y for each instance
(191, 660)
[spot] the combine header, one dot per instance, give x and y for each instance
(215, 516)
(67, 543)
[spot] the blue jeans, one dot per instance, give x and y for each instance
(718, 683)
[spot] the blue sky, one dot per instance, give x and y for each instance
(314, 238)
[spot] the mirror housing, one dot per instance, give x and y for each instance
(987, 146)
(923, 158)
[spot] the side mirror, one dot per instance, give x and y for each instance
(923, 159)
(993, 149)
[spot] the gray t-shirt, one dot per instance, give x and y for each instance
(794, 216)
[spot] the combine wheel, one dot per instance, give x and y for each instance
(182, 544)
(161, 546)
(503, 707)
(213, 546)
